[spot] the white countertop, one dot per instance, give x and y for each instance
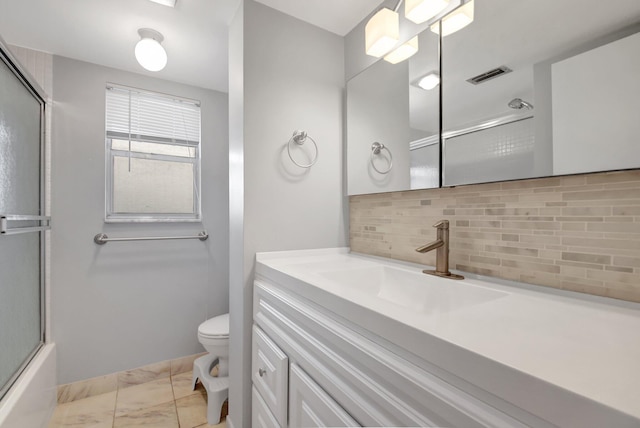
(585, 345)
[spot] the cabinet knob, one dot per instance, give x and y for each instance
(262, 372)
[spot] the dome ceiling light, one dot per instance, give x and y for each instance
(170, 3)
(149, 52)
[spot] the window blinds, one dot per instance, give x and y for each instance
(148, 116)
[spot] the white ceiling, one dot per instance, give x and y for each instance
(196, 32)
(337, 16)
(105, 32)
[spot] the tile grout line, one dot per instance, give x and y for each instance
(115, 406)
(175, 401)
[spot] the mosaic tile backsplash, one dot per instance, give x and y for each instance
(579, 233)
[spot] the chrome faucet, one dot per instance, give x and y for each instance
(441, 245)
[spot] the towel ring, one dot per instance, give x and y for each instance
(300, 137)
(376, 148)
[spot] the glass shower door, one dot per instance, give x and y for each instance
(21, 223)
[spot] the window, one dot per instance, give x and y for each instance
(153, 157)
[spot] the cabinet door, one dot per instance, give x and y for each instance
(261, 415)
(311, 406)
(270, 374)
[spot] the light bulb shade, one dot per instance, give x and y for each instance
(403, 52)
(420, 11)
(429, 81)
(456, 20)
(170, 3)
(149, 52)
(382, 32)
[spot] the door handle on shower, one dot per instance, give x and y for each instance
(6, 230)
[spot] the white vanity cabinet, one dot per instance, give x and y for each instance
(311, 406)
(261, 414)
(270, 375)
(341, 375)
(375, 342)
(280, 389)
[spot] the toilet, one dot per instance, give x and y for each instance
(213, 334)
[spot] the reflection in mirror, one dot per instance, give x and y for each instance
(555, 93)
(395, 105)
(529, 92)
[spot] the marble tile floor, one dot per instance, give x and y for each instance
(162, 403)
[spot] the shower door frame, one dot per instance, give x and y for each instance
(38, 93)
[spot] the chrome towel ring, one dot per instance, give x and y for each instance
(300, 137)
(376, 149)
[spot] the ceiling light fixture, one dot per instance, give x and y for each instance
(456, 20)
(428, 81)
(420, 11)
(170, 3)
(405, 51)
(149, 52)
(382, 32)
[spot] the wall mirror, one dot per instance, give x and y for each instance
(529, 89)
(387, 105)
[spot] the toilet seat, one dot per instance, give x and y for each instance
(215, 328)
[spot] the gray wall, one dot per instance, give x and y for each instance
(124, 305)
(293, 78)
(239, 294)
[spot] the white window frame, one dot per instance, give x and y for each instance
(111, 154)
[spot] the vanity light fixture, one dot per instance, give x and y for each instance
(420, 11)
(170, 3)
(382, 32)
(456, 20)
(149, 52)
(428, 81)
(405, 51)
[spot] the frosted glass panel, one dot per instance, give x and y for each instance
(20, 278)
(425, 167)
(19, 300)
(19, 147)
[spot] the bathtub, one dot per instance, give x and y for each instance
(32, 399)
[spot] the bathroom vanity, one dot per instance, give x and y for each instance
(342, 339)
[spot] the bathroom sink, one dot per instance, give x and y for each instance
(412, 290)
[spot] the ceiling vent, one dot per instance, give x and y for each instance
(488, 75)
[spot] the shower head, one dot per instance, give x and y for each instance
(519, 104)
